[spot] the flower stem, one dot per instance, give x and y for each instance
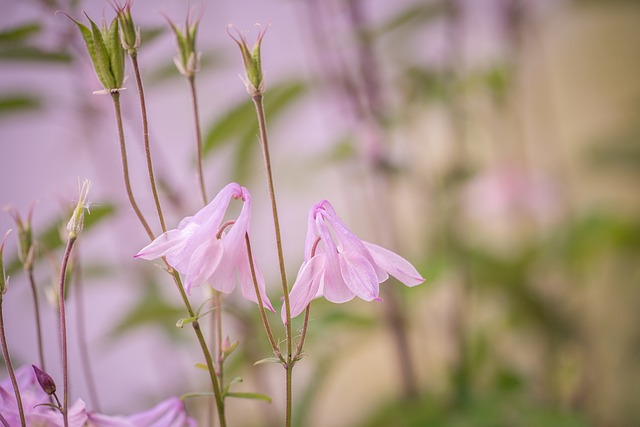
(36, 309)
(63, 329)
(257, 100)
(82, 336)
(7, 360)
(265, 321)
(145, 135)
(4, 421)
(196, 124)
(125, 165)
(203, 344)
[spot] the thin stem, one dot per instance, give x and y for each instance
(218, 317)
(265, 321)
(82, 336)
(203, 345)
(4, 421)
(257, 100)
(36, 309)
(196, 124)
(63, 329)
(7, 359)
(125, 165)
(145, 135)
(304, 333)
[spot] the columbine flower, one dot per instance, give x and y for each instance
(340, 266)
(251, 58)
(198, 250)
(170, 413)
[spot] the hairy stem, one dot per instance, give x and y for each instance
(82, 336)
(63, 330)
(7, 360)
(196, 124)
(125, 165)
(145, 135)
(257, 100)
(36, 309)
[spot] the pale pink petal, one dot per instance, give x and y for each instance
(335, 289)
(312, 235)
(395, 265)
(359, 275)
(215, 210)
(161, 245)
(246, 282)
(99, 420)
(170, 413)
(203, 263)
(306, 287)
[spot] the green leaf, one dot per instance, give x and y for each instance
(185, 321)
(257, 396)
(235, 380)
(18, 103)
(20, 33)
(196, 394)
(168, 72)
(31, 53)
(267, 360)
(150, 34)
(87, 35)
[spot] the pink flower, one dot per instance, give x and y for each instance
(195, 250)
(32, 395)
(343, 266)
(170, 413)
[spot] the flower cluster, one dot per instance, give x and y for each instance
(201, 250)
(337, 264)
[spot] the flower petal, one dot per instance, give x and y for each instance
(309, 280)
(246, 282)
(203, 263)
(394, 264)
(161, 245)
(359, 275)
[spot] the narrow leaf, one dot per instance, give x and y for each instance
(257, 396)
(20, 33)
(267, 360)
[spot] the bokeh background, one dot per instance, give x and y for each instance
(494, 143)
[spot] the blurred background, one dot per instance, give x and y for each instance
(494, 143)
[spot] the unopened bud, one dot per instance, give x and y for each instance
(25, 237)
(45, 380)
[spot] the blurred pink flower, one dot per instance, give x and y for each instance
(195, 250)
(170, 413)
(344, 266)
(32, 395)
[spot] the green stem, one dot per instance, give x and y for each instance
(196, 124)
(257, 100)
(36, 309)
(145, 135)
(265, 321)
(7, 359)
(63, 330)
(203, 344)
(125, 165)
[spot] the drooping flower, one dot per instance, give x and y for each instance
(340, 266)
(198, 250)
(169, 413)
(33, 396)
